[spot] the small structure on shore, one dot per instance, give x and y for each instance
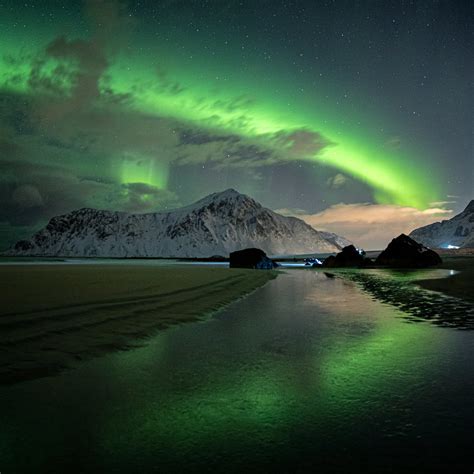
(251, 258)
(404, 252)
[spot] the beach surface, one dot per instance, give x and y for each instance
(458, 285)
(53, 316)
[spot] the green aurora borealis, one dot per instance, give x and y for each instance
(144, 106)
(224, 107)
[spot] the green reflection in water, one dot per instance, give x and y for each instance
(365, 359)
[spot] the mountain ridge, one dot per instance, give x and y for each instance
(219, 223)
(457, 232)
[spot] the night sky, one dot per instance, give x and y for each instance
(356, 116)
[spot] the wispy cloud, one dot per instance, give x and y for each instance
(372, 226)
(234, 151)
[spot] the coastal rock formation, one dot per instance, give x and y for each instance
(216, 225)
(457, 232)
(251, 258)
(349, 257)
(404, 252)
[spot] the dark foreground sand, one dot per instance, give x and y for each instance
(52, 316)
(460, 285)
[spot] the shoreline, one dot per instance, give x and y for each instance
(461, 284)
(53, 317)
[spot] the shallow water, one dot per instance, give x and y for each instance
(307, 374)
(396, 288)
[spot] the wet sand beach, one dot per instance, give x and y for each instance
(307, 374)
(52, 316)
(459, 285)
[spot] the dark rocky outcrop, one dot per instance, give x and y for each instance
(404, 252)
(251, 258)
(348, 257)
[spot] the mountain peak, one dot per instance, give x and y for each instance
(223, 196)
(226, 194)
(228, 191)
(470, 206)
(216, 225)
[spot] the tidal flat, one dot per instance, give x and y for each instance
(449, 301)
(459, 285)
(53, 316)
(309, 373)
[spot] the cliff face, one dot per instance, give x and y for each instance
(457, 231)
(216, 225)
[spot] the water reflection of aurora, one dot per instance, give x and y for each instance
(369, 355)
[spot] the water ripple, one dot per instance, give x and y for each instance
(418, 304)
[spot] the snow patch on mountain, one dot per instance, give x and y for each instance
(457, 232)
(215, 225)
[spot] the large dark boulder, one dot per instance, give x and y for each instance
(251, 258)
(404, 252)
(348, 257)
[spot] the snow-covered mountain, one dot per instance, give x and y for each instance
(216, 225)
(455, 232)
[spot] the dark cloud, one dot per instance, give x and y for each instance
(233, 151)
(337, 181)
(68, 72)
(71, 69)
(300, 143)
(200, 137)
(32, 194)
(91, 64)
(140, 197)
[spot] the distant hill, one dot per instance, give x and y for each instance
(216, 225)
(457, 232)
